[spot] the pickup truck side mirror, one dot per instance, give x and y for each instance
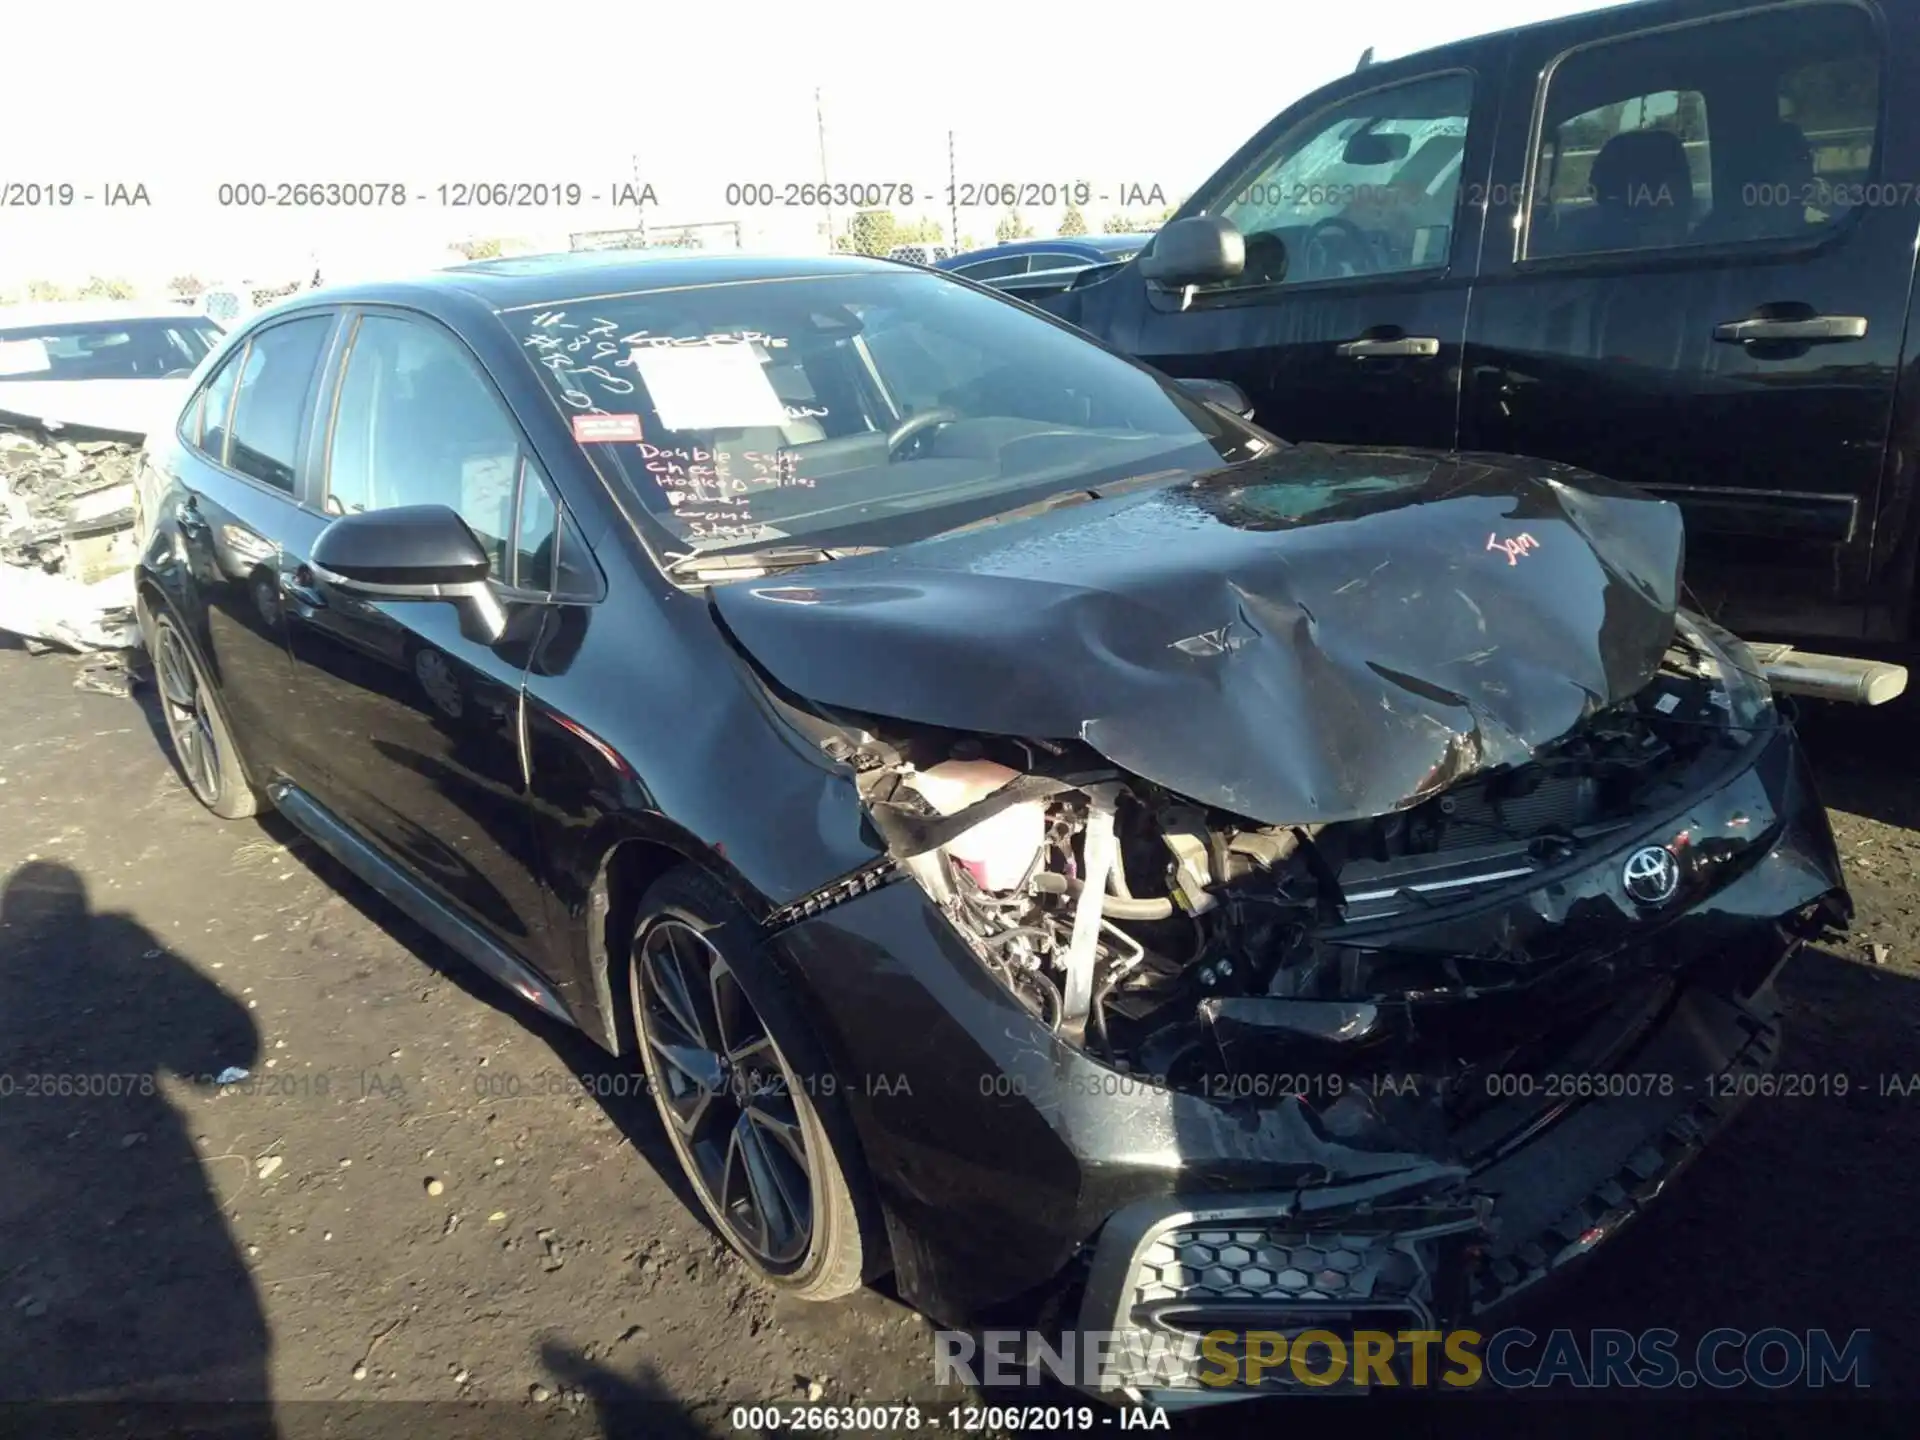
(412, 552)
(1223, 394)
(1195, 251)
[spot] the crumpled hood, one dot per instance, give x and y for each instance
(1322, 635)
(136, 408)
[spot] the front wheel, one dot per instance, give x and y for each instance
(754, 1119)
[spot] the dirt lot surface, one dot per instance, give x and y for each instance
(414, 1198)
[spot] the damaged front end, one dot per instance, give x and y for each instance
(1498, 980)
(1370, 1015)
(1422, 950)
(67, 532)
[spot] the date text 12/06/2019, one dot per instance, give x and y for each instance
(550, 194)
(994, 194)
(870, 1419)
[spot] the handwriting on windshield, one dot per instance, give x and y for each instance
(1513, 549)
(710, 489)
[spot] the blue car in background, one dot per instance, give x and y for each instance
(1041, 267)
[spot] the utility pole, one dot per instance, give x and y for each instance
(953, 195)
(820, 125)
(639, 202)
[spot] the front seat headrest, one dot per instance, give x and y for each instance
(1643, 167)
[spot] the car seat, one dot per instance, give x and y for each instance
(1642, 196)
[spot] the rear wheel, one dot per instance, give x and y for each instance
(752, 1116)
(202, 739)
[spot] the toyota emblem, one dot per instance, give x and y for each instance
(1651, 875)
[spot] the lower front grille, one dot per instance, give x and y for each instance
(1222, 1276)
(1268, 1263)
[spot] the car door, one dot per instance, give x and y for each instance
(420, 720)
(1360, 207)
(232, 498)
(1697, 282)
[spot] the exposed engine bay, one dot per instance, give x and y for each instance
(1141, 924)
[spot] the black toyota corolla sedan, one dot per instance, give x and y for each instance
(1040, 834)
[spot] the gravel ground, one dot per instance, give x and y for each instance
(409, 1199)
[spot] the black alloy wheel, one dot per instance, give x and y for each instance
(728, 1092)
(744, 1119)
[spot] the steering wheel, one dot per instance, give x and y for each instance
(1354, 240)
(916, 425)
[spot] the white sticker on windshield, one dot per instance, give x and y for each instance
(709, 387)
(24, 357)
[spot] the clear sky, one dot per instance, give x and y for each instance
(184, 96)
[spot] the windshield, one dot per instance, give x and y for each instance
(869, 408)
(137, 349)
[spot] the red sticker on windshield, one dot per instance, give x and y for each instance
(589, 429)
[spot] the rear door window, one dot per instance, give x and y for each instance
(208, 426)
(276, 380)
(1759, 126)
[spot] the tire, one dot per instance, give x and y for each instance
(747, 1117)
(202, 739)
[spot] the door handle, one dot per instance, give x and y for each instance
(1423, 347)
(1814, 329)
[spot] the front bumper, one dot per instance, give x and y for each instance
(1004, 1158)
(1169, 1271)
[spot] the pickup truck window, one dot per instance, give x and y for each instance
(1752, 127)
(1366, 188)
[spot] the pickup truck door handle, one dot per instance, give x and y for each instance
(1416, 346)
(1812, 330)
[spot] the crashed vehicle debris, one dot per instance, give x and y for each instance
(81, 384)
(66, 539)
(1039, 834)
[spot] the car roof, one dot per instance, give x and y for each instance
(525, 281)
(80, 312)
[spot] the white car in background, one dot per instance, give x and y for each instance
(114, 366)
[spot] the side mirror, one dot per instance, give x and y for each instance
(1376, 149)
(1223, 394)
(1195, 251)
(412, 552)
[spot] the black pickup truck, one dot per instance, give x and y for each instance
(1671, 242)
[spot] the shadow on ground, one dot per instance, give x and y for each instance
(127, 1283)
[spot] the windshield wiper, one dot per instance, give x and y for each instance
(750, 564)
(1076, 496)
